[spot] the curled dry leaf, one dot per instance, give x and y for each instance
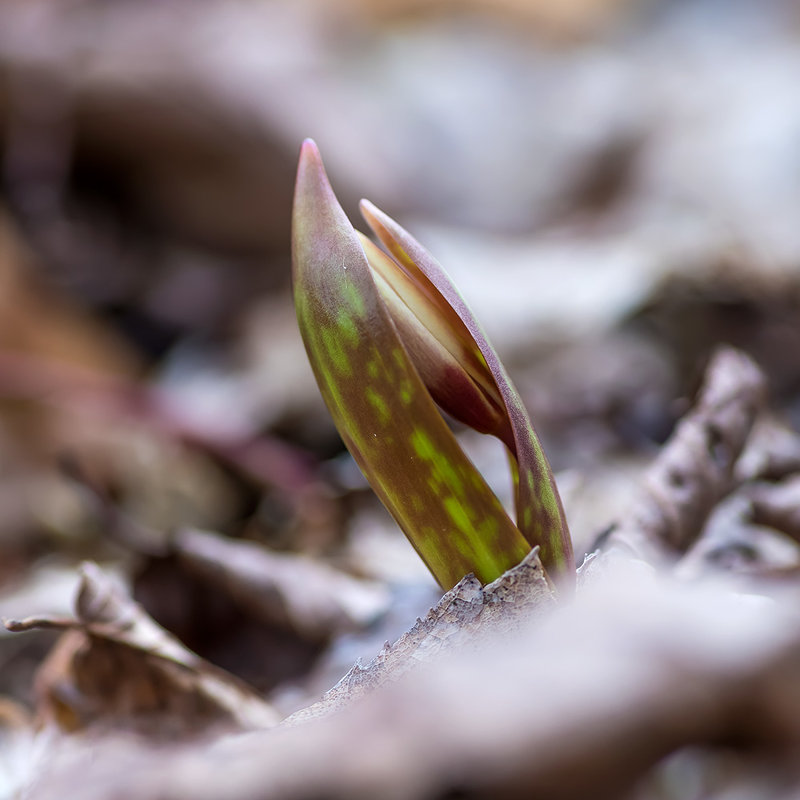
(695, 469)
(291, 591)
(115, 667)
(466, 612)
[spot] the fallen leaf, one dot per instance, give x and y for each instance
(114, 667)
(292, 591)
(462, 615)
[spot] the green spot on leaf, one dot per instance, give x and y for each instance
(347, 328)
(489, 530)
(406, 392)
(442, 471)
(375, 399)
(353, 299)
(335, 352)
(423, 445)
(458, 514)
(527, 516)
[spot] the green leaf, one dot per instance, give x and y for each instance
(378, 401)
(540, 515)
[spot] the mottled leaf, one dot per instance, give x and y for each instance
(378, 400)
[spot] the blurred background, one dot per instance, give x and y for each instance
(613, 184)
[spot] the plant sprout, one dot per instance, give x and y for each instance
(389, 337)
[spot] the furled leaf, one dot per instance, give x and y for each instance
(380, 405)
(540, 516)
(441, 348)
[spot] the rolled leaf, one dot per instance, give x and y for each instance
(378, 401)
(540, 515)
(441, 348)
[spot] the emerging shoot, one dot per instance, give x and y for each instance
(389, 337)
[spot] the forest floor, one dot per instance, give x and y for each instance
(202, 596)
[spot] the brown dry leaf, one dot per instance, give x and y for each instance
(695, 469)
(499, 689)
(114, 667)
(581, 704)
(292, 591)
(466, 612)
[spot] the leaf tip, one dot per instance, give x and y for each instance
(309, 149)
(310, 163)
(374, 217)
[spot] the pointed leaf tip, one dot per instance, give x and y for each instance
(310, 169)
(309, 146)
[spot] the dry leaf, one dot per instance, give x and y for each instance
(114, 667)
(467, 611)
(582, 704)
(291, 591)
(695, 469)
